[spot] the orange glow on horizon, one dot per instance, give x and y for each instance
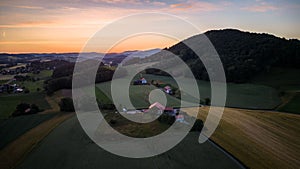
(143, 42)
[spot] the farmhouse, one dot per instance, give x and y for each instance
(141, 81)
(159, 108)
(168, 90)
(10, 88)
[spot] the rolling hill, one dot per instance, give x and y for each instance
(243, 54)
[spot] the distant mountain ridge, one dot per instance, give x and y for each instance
(6, 58)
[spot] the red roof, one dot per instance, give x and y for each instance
(158, 105)
(167, 87)
(169, 109)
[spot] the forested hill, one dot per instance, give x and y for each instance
(243, 54)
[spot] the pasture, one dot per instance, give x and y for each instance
(138, 94)
(238, 95)
(293, 106)
(74, 149)
(283, 79)
(44, 74)
(8, 103)
(14, 152)
(32, 86)
(12, 128)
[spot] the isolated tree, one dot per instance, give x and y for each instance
(66, 104)
(25, 109)
(198, 125)
(207, 101)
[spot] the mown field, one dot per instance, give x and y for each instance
(260, 139)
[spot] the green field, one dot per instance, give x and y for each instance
(293, 106)
(12, 128)
(3, 81)
(132, 129)
(44, 74)
(283, 79)
(8, 103)
(286, 82)
(102, 97)
(32, 86)
(68, 147)
(139, 95)
(238, 95)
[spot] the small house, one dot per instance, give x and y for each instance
(180, 118)
(159, 108)
(141, 81)
(168, 90)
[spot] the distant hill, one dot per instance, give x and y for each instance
(141, 54)
(243, 54)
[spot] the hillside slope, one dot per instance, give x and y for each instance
(243, 54)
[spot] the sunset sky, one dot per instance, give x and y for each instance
(65, 25)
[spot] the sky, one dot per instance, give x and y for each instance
(44, 26)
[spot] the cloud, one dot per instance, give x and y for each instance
(264, 8)
(28, 24)
(29, 7)
(260, 6)
(136, 2)
(196, 6)
(181, 6)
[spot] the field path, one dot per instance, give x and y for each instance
(69, 147)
